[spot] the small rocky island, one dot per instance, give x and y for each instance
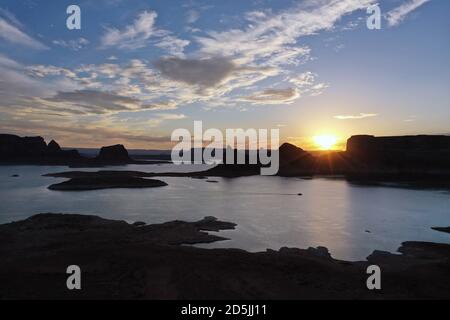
(442, 229)
(106, 182)
(85, 180)
(137, 261)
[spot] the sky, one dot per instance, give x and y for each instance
(138, 69)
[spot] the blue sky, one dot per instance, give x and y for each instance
(139, 69)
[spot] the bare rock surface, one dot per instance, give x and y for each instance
(125, 261)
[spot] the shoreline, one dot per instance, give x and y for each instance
(138, 261)
(126, 176)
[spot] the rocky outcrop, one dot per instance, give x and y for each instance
(423, 161)
(53, 147)
(421, 151)
(295, 161)
(114, 154)
(15, 149)
(442, 229)
(12, 146)
(126, 261)
(290, 152)
(34, 150)
(366, 144)
(106, 182)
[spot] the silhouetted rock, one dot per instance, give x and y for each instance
(125, 261)
(420, 160)
(12, 146)
(401, 152)
(106, 182)
(112, 154)
(86, 180)
(33, 150)
(366, 144)
(442, 229)
(320, 252)
(53, 147)
(289, 153)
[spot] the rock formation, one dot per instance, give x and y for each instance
(114, 154)
(53, 147)
(15, 149)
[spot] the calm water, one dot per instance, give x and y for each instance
(268, 211)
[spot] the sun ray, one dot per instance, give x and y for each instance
(325, 142)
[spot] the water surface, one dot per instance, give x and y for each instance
(350, 220)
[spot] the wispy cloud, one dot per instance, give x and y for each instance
(358, 116)
(75, 44)
(173, 45)
(192, 16)
(397, 15)
(270, 34)
(10, 30)
(271, 39)
(133, 36)
(141, 32)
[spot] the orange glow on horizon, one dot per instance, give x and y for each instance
(325, 142)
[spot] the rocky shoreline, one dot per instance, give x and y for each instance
(137, 261)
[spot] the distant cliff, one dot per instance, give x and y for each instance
(114, 154)
(366, 158)
(430, 152)
(422, 157)
(34, 150)
(15, 149)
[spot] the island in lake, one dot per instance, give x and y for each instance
(422, 161)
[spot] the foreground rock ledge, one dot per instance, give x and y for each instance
(126, 261)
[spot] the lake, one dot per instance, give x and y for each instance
(350, 220)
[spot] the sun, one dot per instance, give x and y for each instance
(325, 142)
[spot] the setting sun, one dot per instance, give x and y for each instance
(325, 142)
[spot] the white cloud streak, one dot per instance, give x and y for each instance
(11, 32)
(397, 15)
(75, 44)
(353, 117)
(133, 36)
(271, 34)
(143, 32)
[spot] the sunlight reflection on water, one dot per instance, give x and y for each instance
(350, 220)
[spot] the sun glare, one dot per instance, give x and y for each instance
(325, 142)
